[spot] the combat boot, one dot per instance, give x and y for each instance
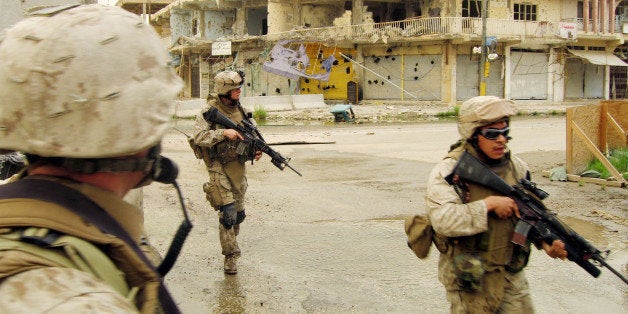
(230, 264)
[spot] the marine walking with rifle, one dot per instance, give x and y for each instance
(225, 153)
(481, 268)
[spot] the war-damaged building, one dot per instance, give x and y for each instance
(426, 50)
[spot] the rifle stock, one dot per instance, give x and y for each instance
(250, 133)
(539, 221)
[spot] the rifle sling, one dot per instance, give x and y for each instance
(82, 206)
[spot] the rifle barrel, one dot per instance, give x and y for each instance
(605, 264)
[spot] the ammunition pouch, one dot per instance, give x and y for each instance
(228, 151)
(519, 259)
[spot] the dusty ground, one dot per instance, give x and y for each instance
(332, 241)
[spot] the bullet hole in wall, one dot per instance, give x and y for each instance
(376, 60)
(432, 62)
(376, 81)
(370, 82)
(307, 80)
(335, 62)
(277, 90)
(416, 78)
(416, 64)
(393, 58)
(263, 94)
(387, 57)
(415, 69)
(248, 84)
(389, 77)
(389, 50)
(345, 58)
(382, 82)
(302, 89)
(348, 70)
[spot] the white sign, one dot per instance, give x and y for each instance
(221, 48)
(567, 30)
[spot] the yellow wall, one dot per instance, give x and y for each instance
(341, 72)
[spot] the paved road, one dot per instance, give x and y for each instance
(332, 241)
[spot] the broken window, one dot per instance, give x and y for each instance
(471, 8)
(194, 26)
(524, 12)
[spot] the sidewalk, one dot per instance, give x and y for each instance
(396, 111)
(380, 110)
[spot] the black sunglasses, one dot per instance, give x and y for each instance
(493, 134)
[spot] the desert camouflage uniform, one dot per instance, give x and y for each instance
(64, 105)
(227, 182)
(455, 222)
(60, 289)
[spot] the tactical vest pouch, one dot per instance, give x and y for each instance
(226, 151)
(154, 292)
(198, 151)
(519, 260)
(469, 272)
(67, 251)
(419, 231)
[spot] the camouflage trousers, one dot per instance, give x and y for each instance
(220, 192)
(515, 297)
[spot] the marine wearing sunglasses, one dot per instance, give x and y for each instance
(493, 134)
(493, 138)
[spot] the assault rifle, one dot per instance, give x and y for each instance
(536, 220)
(250, 133)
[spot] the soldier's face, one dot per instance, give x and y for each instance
(235, 93)
(494, 148)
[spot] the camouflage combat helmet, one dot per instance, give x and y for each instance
(226, 81)
(88, 81)
(482, 110)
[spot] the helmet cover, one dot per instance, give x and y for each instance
(90, 81)
(482, 110)
(226, 81)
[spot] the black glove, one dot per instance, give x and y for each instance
(229, 215)
(240, 218)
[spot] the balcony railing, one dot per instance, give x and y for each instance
(448, 27)
(619, 23)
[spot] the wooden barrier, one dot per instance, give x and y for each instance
(592, 131)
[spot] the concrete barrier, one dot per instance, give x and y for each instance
(269, 103)
(190, 108)
(187, 108)
(307, 101)
(283, 103)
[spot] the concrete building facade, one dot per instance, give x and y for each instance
(426, 50)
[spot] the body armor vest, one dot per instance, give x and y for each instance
(493, 246)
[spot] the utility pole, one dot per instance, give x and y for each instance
(482, 64)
